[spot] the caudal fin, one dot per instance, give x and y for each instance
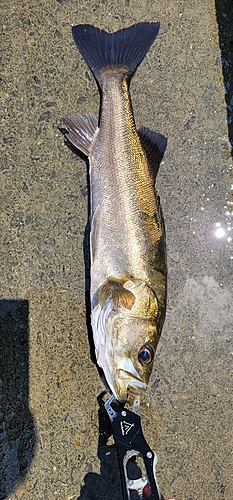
(125, 47)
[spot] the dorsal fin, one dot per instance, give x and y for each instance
(81, 131)
(154, 145)
(115, 290)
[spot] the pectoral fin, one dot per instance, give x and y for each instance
(154, 145)
(115, 290)
(81, 131)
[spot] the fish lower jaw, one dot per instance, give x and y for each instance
(124, 381)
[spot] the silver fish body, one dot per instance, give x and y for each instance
(127, 239)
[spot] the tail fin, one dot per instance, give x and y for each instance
(126, 47)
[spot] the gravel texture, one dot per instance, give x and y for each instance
(48, 408)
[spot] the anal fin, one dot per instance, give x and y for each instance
(81, 131)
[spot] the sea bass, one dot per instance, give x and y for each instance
(127, 237)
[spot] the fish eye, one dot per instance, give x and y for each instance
(146, 355)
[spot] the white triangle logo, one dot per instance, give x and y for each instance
(125, 427)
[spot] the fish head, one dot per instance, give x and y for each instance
(126, 340)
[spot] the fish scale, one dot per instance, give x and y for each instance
(118, 206)
(121, 152)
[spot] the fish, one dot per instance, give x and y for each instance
(128, 284)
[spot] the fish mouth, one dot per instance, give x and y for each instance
(126, 376)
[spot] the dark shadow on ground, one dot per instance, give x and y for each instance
(107, 484)
(224, 14)
(17, 430)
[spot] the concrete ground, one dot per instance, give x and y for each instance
(49, 412)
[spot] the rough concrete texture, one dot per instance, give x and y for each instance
(49, 411)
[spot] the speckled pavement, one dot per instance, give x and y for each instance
(48, 408)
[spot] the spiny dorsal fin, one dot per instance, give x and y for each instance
(114, 288)
(81, 131)
(154, 145)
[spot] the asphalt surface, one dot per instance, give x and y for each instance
(49, 428)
